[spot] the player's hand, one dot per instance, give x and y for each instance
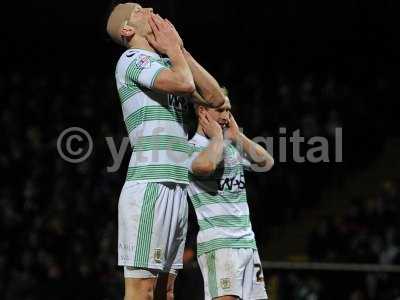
(232, 131)
(180, 41)
(210, 127)
(165, 38)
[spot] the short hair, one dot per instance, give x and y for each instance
(119, 15)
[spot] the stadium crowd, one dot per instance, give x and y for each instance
(58, 220)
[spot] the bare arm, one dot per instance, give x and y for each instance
(206, 84)
(208, 159)
(209, 91)
(254, 151)
(258, 154)
(179, 78)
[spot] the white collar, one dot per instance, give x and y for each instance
(147, 52)
(201, 138)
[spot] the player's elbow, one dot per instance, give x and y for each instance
(184, 86)
(170, 82)
(269, 163)
(266, 164)
(187, 87)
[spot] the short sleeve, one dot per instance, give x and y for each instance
(193, 154)
(246, 164)
(234, 153)
(143, 70)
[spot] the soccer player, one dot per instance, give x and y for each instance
(226, 247)
(152, 209)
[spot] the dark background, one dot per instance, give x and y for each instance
(308, 65)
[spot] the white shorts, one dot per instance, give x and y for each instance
(235, 272)
(152, 225)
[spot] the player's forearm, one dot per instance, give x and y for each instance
(180, 67)
(209, 158)
(258, 154)
(207, 85)
(215, 150)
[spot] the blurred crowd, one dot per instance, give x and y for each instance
(367, 232)
(58, 220)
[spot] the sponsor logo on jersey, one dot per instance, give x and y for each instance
(157, 255)
(232, 184)
(130, 53)
(179, 103)
(225, 283)
(128, 247)
(143, 61)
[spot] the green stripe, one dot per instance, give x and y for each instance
(162, 142)
(132, 72)
(155, 76)
(221, 243)
(201, 199)
(231, 150)
(232, 169)
(212, 276)
(154, 172)
(198, 148)
(146, 226)
(126, 92)
(229, 221)
(151, 113)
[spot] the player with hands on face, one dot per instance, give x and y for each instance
(154, 92)
(218, 194)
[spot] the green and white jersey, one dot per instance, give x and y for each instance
(154, 120)
(220, 201)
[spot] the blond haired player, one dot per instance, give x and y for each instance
(226, 247)
(152, 210)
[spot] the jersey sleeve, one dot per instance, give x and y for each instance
(239, 156)
(143, 70)
(193, 154)
(246, 164)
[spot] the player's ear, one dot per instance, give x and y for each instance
(201, 109)
(127, 31)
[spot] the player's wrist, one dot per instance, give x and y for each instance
(237, 137)
(173, 50)
(218, 137)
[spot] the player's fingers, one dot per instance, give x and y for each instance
(203, 123)
(203, 115)
(158, 20)
(203, 118)
(158, 17)
(153, 26)
(208, 117)
(170, 24)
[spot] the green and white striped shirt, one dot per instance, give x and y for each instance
(220, 201)
(154, 120)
